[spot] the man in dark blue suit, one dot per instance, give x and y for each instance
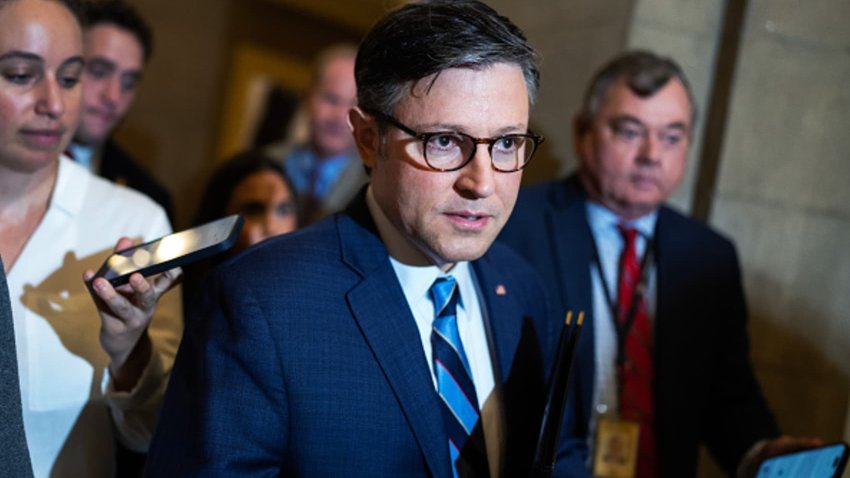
(632, 137)
(390, 339)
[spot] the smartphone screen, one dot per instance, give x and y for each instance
(171, 251)
(822, 462)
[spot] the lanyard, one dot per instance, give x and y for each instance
(623, 328)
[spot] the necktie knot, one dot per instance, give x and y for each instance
(629, 234)
(443, 294)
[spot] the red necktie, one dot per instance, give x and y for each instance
(636, 371)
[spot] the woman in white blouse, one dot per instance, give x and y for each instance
(88, 375)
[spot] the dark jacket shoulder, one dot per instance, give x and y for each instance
(120, 167)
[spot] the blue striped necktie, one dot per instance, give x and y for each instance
(454, 383)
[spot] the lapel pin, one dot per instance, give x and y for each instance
(500, 290)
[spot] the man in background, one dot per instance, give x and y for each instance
(118, 44)
(390, 339)
(325, 170)
(665, 355)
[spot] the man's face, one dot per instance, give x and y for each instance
(451, 216)
(633, 156)
(331, 98)
(114, 64)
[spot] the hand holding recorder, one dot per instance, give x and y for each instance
(131, 281)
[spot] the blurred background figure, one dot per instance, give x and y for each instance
(255, 186)
(91, 376)
(325, 169)
(117, 45)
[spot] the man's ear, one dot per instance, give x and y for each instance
(366, 136)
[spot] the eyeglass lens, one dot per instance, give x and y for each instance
(453, 150)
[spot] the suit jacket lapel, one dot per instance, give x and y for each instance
(501, 316)
(383, 316)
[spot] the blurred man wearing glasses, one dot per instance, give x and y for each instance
(390, 339)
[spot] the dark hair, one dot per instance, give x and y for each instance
(226, 177)
(423, 38)
(644, 73)
(122, 15)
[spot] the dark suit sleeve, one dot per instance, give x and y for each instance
(737, 415)
(573, 450)
(118, 166)
(15, 458)
(225, 411)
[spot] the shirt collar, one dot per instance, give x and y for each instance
(416, 281)
(306, 152)
(72, 181)
(83, 155)
(603, 219)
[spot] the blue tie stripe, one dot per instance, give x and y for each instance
(448, 332)
(454, 396)
(454, 453)
(445, 355)
(451, 369)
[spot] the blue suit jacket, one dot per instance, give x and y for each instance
(307, 362)
(705, 390)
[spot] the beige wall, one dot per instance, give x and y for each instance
(173, 121)
(782, 195)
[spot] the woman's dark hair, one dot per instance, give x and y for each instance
(224, 180)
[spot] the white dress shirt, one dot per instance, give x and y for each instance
(70, 410)
(609, 244)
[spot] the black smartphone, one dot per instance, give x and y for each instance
(173, 250)
(826, 461)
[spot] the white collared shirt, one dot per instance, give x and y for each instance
(609, 244)
(66, 395)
